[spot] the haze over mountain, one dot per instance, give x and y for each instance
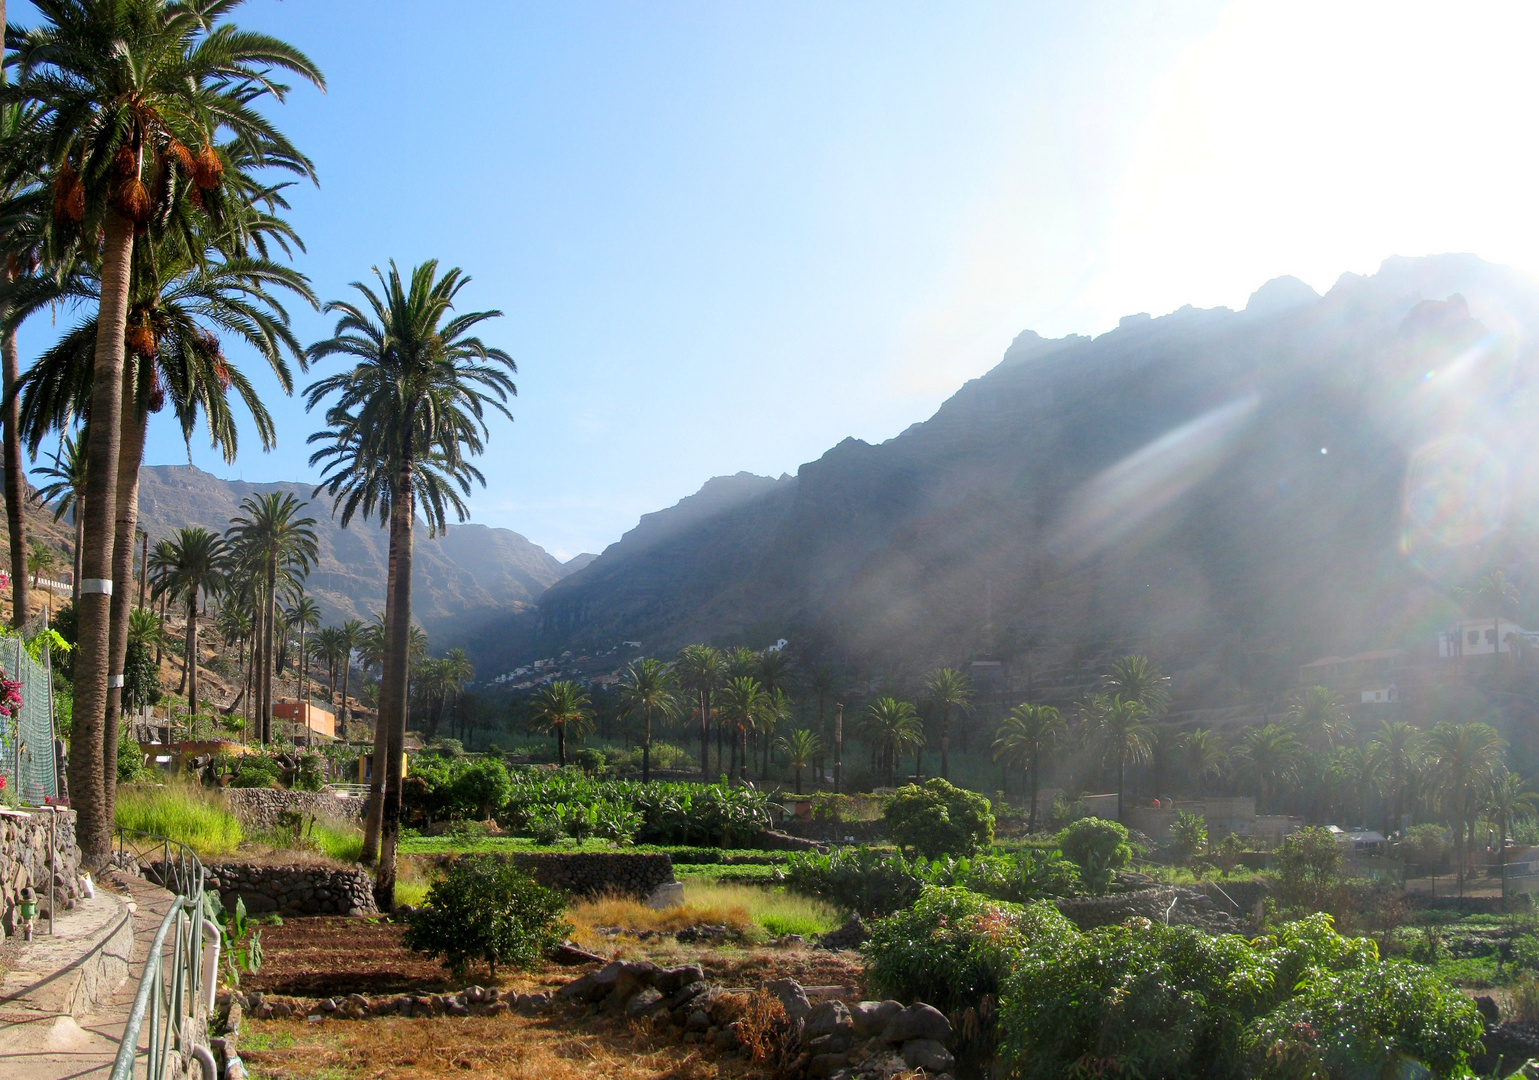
(1308, 474)
(470, 573)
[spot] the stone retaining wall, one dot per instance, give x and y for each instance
(294, 890)
(591, 873)
(24, 860)
(257, 809)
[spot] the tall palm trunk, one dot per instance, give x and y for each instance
(646, 744)
(393, 681)
(265, 680)
(190, 669)
(705, 737)
(1031, 820)
(945, 743)
(561, 745)
(742, 756)
(93, 829)
(15, 482)
(131, 430)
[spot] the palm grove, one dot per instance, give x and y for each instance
(143, 183)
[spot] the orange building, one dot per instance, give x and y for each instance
(321, 723)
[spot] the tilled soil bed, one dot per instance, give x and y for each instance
(328, 956)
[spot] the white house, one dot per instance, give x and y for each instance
(1478, 637)
(1381, 695)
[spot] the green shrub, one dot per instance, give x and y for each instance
(1098, 847)
(953, 948)
(489, 910)
(1024, 877)
(1424, 847)
(1152, 1001)
(1308, 869)
(256, 771)
(939, 819)
(131, 766)
(1188, 837)
(871, 883)
(590, 761)
(482, 788)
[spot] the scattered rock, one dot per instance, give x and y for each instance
(644, 1001)
(852, 935)
(674, 979)
(792, 997)
(872, 1017)
(594, 985)
(918, 1021)
(827, 1018)
(825, 1065)
(929, 1055)
(698, 1020)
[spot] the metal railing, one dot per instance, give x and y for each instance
(170, 1006)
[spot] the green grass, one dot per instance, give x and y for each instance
(469, 845)
(179, 812)
(1473, 973)
(777, 910)
(342, 843)
(722, 872)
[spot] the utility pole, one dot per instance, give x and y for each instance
(838, 744)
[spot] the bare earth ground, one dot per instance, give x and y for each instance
(334, 956)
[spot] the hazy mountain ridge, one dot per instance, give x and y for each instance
(1230, 527)
(469, 573)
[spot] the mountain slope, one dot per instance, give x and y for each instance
(470, 573)
(1203, 485)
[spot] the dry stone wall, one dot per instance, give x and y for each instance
(258, 809)
(294, 890)
(25, 839)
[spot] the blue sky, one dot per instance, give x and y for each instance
(728, 235)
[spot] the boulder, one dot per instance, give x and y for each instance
(872, 1017)
(668, 894)
(791, 996)
(918, 1021)
(644, 1001)
(827, 1018)
(698, 1020)
(674, 979)
(594, 985)
(825, 1065)
(929, 1055)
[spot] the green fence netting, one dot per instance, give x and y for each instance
(27, 758)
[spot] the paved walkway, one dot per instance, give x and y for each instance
(41, 1040)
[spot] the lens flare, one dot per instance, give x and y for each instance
(1125, 497)
(1456, 493)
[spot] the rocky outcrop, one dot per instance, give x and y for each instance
(36, 846)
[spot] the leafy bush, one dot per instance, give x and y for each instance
(1098, 847)
(489, 910)
(953, 948)
(590, 761)
(482, 787)
(939, 819)
(1025, 877)
(1165, 1002)
(876, 883)
(256, 771)
(1308, 868)
(1425, 847)
(1188, 837)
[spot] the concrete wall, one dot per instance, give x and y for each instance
(257, 809)
(25, 837)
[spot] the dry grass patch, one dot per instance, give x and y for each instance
(507, 1048)
(747, 909)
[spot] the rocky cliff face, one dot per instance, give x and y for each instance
(1308, 474)
(469, 574)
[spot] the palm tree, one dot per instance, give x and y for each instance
(455, 670)
(197, 563)
(1133, 678)
(1203, 757)
(350, 637)
(800, 748)
(1319, 717)
(742, 704)
(699, 668)
(562, 709)
(1395, 750)
(1021, 739)
(39, 560)
(1508, 802)
(1496, 594)
(123, 90)
(1124, 733)
(647, 688)
(948, 689)
(304, 615)
(272, 536)
(406, 419)
(1268, 758)
(66, 491)
(825, 681)
(327, 646)
(1463, 761)
(892, 726)
(777, 710)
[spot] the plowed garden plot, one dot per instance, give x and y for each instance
(331, 956)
